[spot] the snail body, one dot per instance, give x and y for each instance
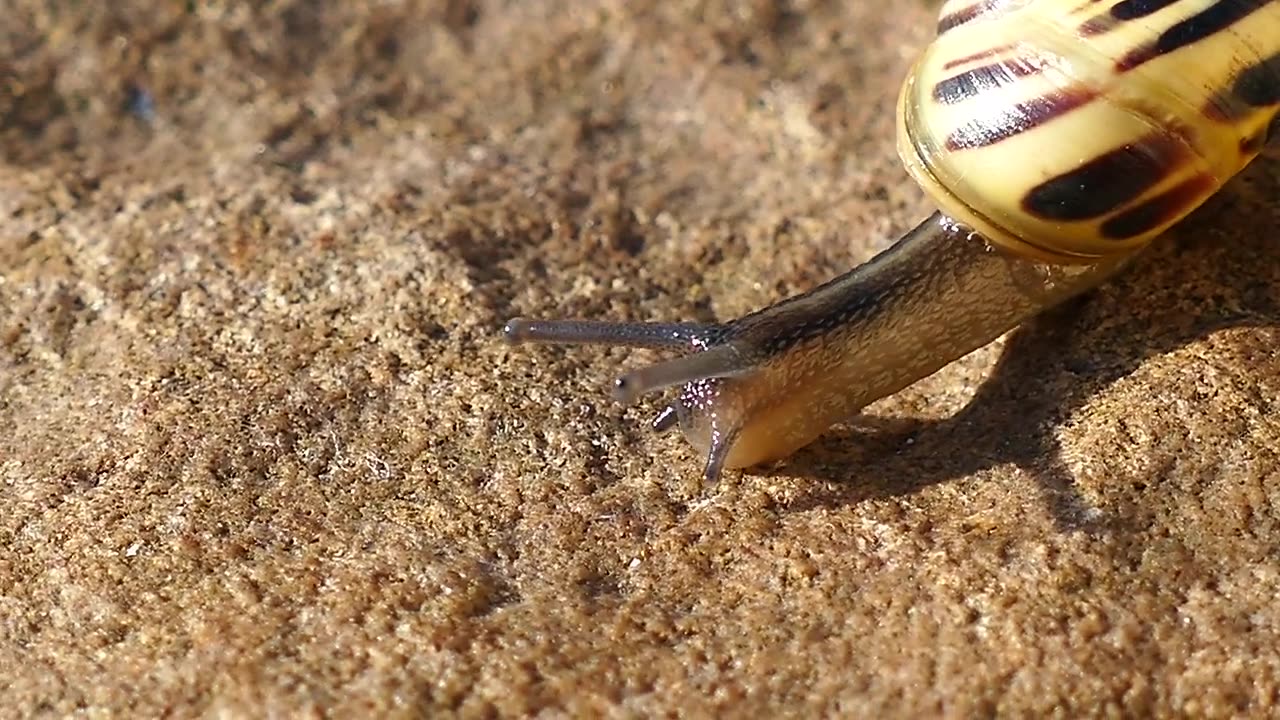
(1059, 138)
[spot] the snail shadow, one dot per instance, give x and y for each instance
(1195, 283)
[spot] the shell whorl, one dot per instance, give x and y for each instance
(1072, 130)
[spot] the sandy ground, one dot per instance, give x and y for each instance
(264, 451)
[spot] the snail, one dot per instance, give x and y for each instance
(1058, 138)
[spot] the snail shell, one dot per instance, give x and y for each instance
(1072, 130)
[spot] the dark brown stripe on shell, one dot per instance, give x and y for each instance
(1130, 9)
(1021, 117)
(972, 83)
(1096, 25)
(1213, 19)
(966, 14)
(1104, 184)
(1122, 12)
(1257, 86)
(991, 52)
(1159, 210)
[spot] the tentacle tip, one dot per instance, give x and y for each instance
(515, 331)
(722, 443)
(711, 477)
(712, 472)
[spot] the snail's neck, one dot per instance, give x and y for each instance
(936, 295)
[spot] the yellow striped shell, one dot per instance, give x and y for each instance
(1072, 130)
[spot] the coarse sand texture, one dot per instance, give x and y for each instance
(263, 452)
